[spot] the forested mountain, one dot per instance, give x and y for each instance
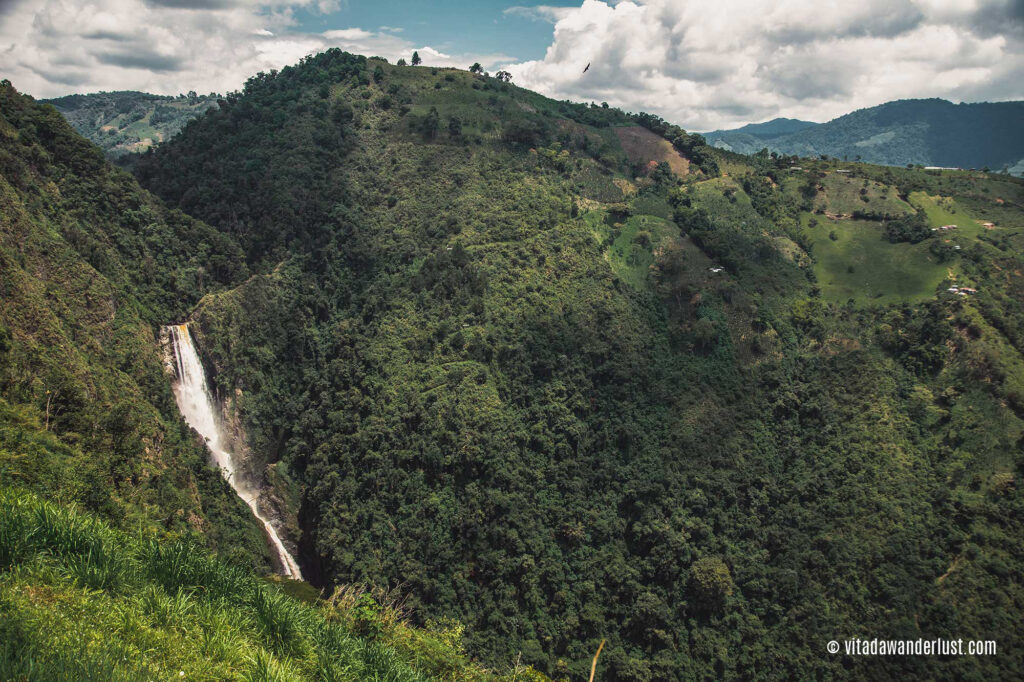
(547, 369)
(928, 132)
(126, 123)
(91, 265)
(750, 133)
(109, 508)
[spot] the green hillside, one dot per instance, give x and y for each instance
(113, 577)
(928, 132)
(561, 394)
(90, 265)
(127, 123)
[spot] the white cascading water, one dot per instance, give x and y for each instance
(197, 406)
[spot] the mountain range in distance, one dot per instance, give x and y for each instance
(777, 127)
(927, 132)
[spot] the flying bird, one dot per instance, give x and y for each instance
(588, 67)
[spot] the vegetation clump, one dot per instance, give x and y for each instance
(913, 228)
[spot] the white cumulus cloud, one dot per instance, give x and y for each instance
(700, 63)
(50, 48)
(707, 65)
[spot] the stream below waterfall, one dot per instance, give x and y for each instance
(199, 410)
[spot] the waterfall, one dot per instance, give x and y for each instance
(198, 408)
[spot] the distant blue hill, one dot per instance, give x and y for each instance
(773, 128)
(930, 132)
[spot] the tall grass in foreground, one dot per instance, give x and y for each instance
(80, 601)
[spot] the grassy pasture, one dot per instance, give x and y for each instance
(632, 243)
(946, 211)
(845, 195)
(860, 264)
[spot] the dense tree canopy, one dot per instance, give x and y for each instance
(562, 402)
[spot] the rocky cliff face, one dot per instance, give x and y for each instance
(278, 496)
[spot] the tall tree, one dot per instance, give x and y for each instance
(431, 124)
(455, 126)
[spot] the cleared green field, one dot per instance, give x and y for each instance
(143, 130)
(945, 211)
(635, 240)
(846, 195)
(632, 252)
(727, 203)
(860, 264)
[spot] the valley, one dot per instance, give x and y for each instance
(514, 379)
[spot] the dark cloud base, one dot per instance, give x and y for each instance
(138, 60)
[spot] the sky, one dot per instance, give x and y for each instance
(702, 64)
